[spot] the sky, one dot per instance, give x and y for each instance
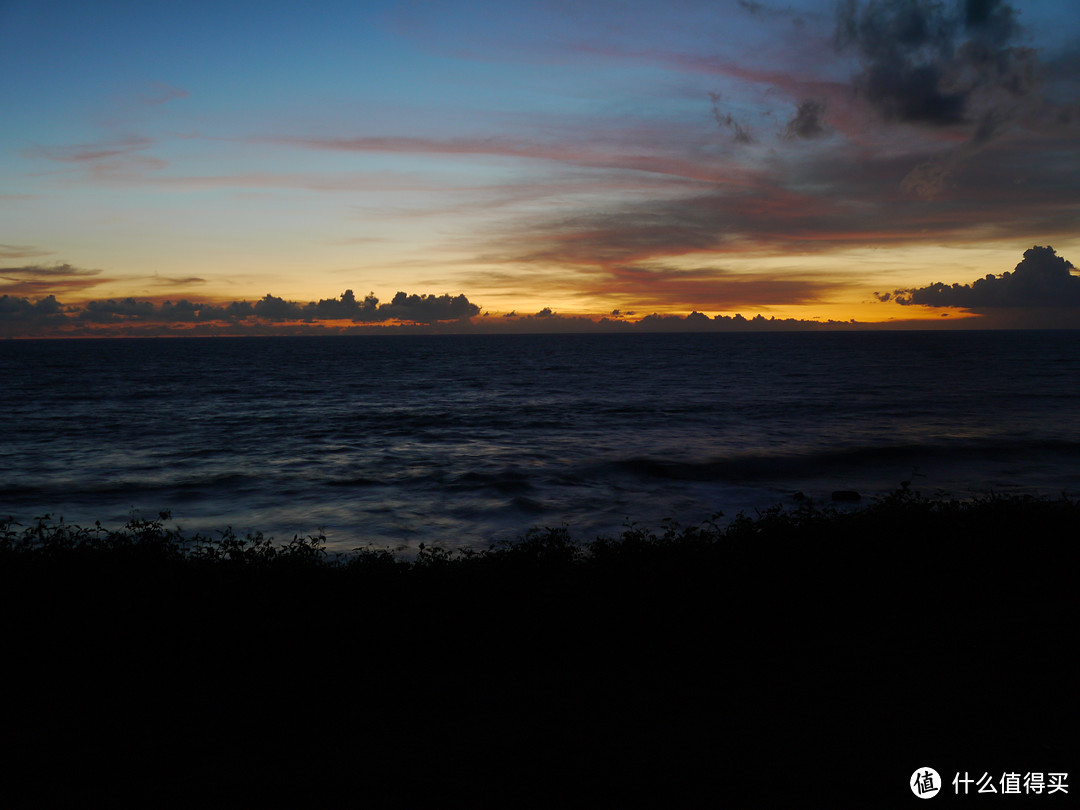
(277, 167)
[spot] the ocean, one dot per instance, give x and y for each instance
(461, 441)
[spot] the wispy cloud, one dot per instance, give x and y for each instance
(21, 252)
(184, 281)
(46, 280)
(633, 157)
(712, 289)
(91, 152)
(159, 93)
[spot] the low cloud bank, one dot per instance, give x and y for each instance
(426, 309)
(405, 313)
(21, 316)
(418, 314)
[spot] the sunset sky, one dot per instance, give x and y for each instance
(168, 166)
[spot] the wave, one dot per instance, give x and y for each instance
(814, 464)
(192, 486)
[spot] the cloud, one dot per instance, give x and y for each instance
(929, 62)
(904, 45)
(46, 310)
(1041, 280)
(39, 279)
(598, 151)
(115, 311)
(428, 308)
(272, 308)
(711, 288)
(47, 317)
(811, 216)
(929, 179)
(795, 202)
(179, 282)
(119, 160)
(740, 134)
(244, 316)
(21, 252)
(91, 152)
(808, 122)
(159, 93)
(346, 307)
(954, 67)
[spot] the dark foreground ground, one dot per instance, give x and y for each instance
(795, 658)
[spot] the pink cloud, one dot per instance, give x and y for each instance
(703, 169)
(83, 153)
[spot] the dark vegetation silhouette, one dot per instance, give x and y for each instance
(787, 653)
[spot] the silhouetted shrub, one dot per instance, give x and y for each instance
(669, 664)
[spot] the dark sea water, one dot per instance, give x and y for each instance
(461, 440)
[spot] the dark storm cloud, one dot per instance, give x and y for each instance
(808, 122)
(1042, 279)
(927, 62)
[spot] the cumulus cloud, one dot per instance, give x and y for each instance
(115, 311)
(273, 308)
(346, 307)
(22, 309)
(427, 310)
(1041, 279)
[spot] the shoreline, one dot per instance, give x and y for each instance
(839, 506)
